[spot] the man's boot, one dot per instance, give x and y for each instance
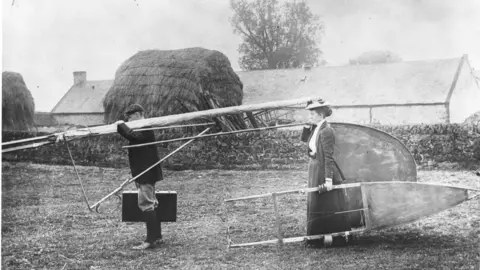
(152, 230)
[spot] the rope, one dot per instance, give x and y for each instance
(78, 176)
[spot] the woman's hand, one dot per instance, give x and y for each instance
(325, 187)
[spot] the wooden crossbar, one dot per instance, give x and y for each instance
(300, 190)
(296, 239)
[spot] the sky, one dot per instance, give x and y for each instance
(47, 40)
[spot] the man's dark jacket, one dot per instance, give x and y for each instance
(141, 158)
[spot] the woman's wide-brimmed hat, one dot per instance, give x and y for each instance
(317, 104)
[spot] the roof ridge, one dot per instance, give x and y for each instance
(361, 65)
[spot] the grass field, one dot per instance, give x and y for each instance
(46, 225)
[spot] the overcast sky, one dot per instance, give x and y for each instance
(46, 40)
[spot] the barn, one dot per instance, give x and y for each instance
(436, 91)
(82, 105)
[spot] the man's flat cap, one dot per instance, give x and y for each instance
(133, 108)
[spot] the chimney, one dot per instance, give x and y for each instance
(79, 77)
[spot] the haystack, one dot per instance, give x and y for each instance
(173, 82)
(18, 108)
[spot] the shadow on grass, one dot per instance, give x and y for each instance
(413, 239)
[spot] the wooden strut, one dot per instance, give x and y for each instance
(297, 239)
(277, 219)
(178, 126)
(212, 135)
(301, 190)
(78, 176)
(126, 182)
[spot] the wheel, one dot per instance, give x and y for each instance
(327, 240)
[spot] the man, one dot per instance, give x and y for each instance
(140, 159)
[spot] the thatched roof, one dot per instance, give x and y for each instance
(18, 107)
(173, 82)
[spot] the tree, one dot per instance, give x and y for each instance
(376, 57)
(276, 36)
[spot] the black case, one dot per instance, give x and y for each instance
(166, 210)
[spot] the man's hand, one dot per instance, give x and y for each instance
(119, 122)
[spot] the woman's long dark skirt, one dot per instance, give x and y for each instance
(320, 207)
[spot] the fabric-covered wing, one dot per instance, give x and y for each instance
(365, 154)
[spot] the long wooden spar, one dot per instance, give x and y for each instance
(154, 122)
(178, 118)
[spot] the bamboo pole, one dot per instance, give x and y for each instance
(78, 176)
(26, 140)
(26, 146)
(126, 182)
(212, 135)
(178, 126)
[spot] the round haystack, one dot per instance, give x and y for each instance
(173, 82)
(18, 108)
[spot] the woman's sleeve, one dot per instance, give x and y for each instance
(328, 144)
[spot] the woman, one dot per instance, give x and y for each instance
(323, 173)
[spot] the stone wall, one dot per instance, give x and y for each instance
(281, 149)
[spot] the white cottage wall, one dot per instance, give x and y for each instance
(465, 99)
(349, 115)
(415, 114)
(79, 119)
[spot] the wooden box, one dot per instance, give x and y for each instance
(166, 210)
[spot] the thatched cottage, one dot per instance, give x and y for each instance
(435, 91)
